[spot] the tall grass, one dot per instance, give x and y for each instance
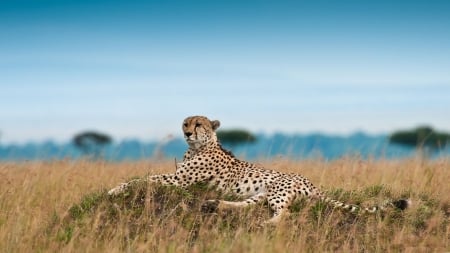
(62, 206)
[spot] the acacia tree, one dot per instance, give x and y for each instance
(91, 143)
(424, 138)
(235, 137)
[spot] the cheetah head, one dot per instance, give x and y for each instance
(199, 131)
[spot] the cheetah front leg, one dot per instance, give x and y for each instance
(164, 179)
(182, 178)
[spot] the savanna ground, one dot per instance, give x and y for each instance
(62, 206)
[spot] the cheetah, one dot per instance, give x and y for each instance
(206, 161)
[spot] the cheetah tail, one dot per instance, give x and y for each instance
(401, 204)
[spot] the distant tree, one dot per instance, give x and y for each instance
(423, 138)
(91, 143)
(235, 137)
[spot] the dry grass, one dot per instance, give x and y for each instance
(61, 206)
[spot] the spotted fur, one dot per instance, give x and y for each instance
(206, 161)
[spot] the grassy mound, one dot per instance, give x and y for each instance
(170, 219)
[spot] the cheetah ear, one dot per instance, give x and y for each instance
(215, 124)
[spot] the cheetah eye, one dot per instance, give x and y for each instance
(197, 124)
(185, 124)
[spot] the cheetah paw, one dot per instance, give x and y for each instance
(118, 189)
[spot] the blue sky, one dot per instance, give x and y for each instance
(137, 68)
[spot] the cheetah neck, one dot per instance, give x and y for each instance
(199, 147)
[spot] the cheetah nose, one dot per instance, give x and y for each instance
(188, 134)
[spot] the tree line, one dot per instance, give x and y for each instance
(424, 138)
